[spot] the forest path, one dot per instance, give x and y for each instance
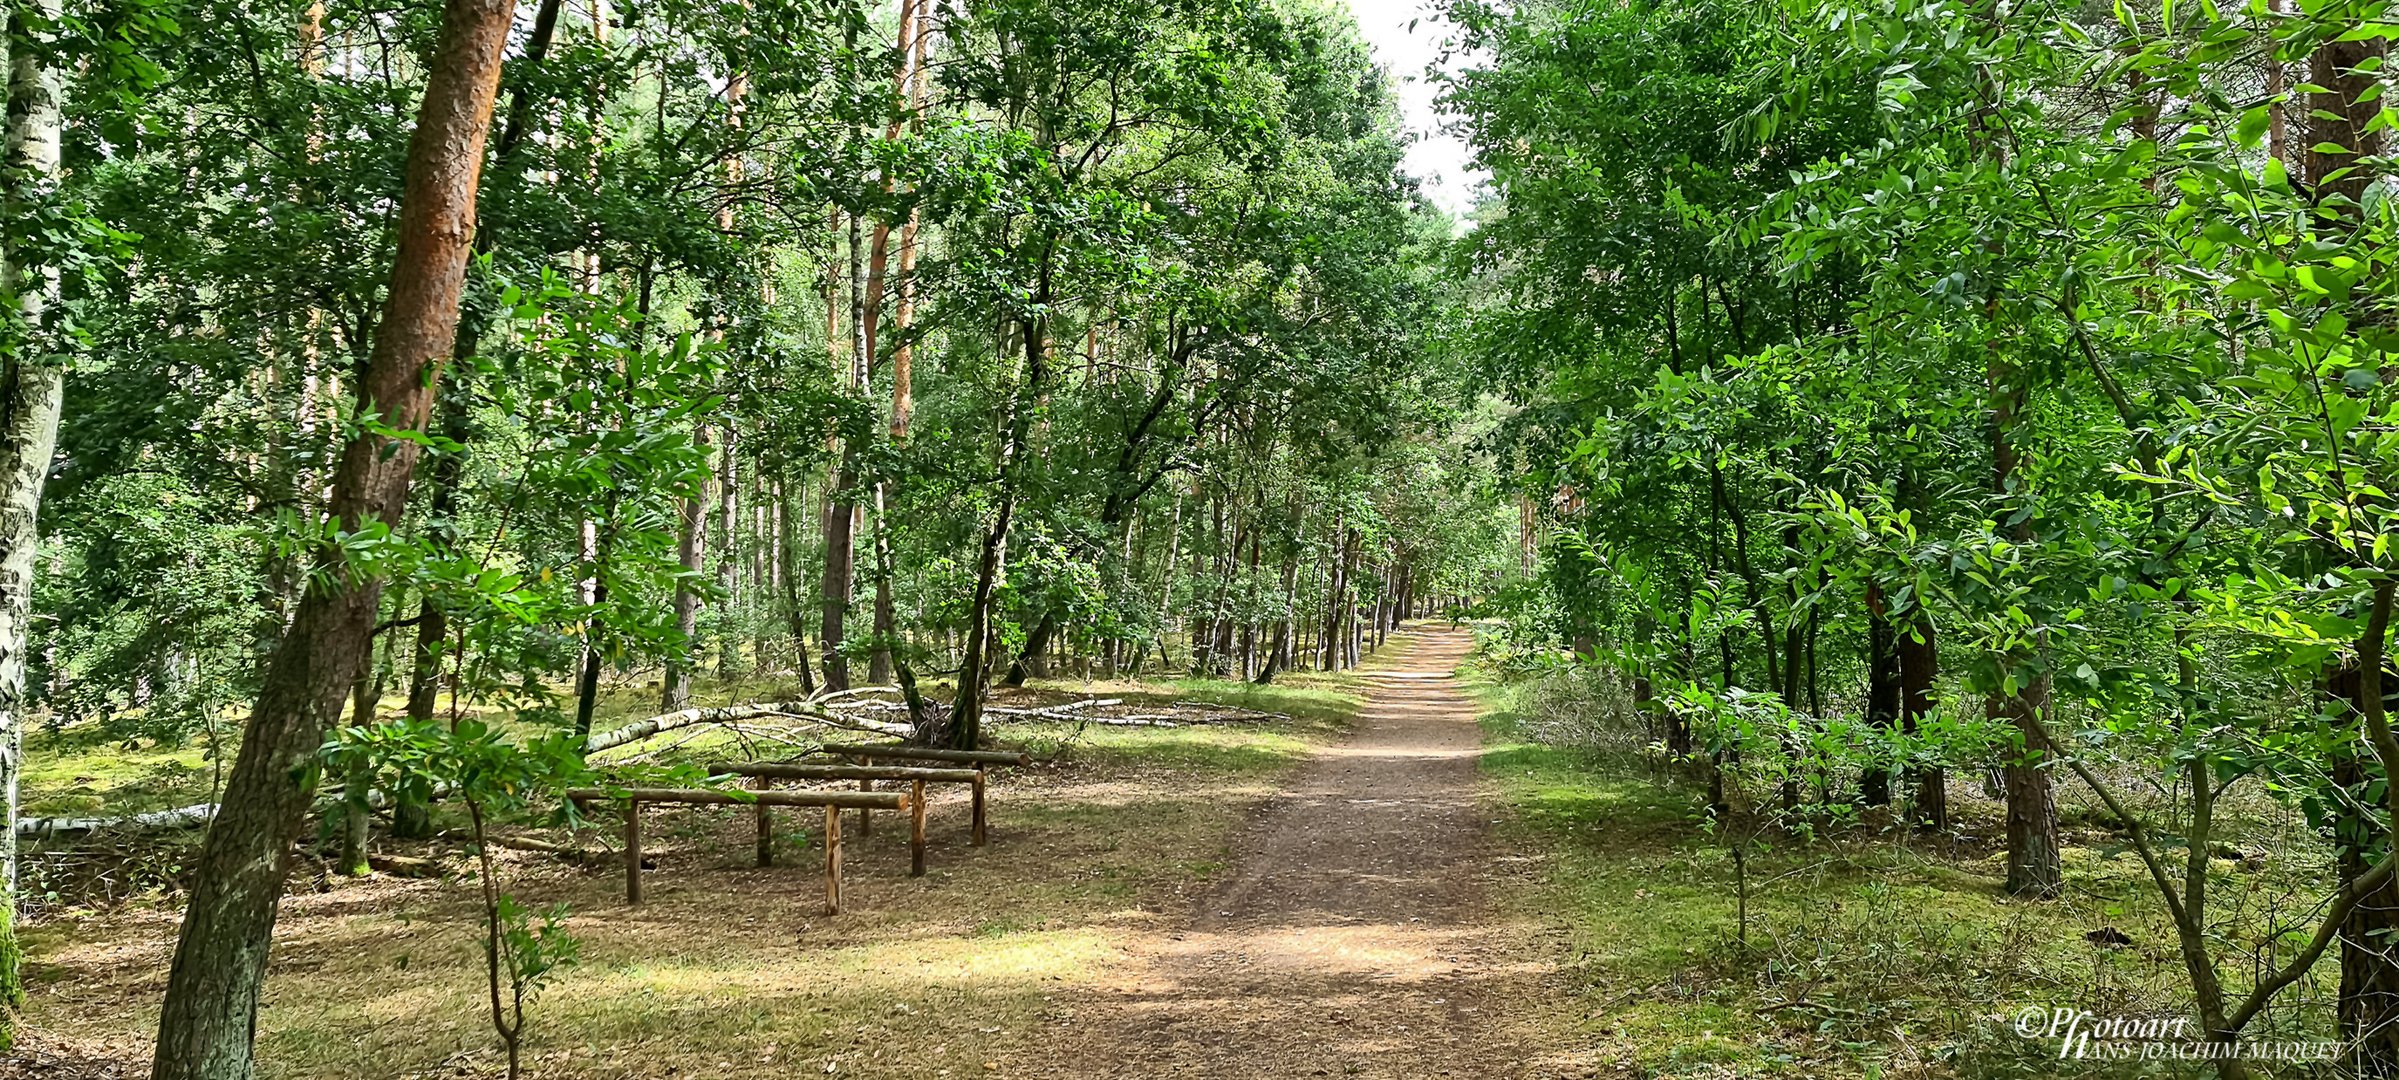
(1353, 936)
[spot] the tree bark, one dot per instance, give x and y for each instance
(2368, 1004)
(2033, 866)
(1882, 692)
(32, 390)
(209, 1015)
(1919, 664)
(728, 553)
(966, 714)
(690, 553)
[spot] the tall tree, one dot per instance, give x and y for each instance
(32, 390)
(209, 1016)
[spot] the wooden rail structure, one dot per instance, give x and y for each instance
(833, 802)
(866, 754)
(762, 774)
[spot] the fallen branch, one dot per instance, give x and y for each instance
(1220, 707)
(182, 817)
(407, 866)
(1070, 711)
(725, 714)
(569, 852)
(829, 697)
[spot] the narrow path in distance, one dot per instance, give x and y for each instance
(1353, 936)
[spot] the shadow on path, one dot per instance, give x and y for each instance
(1354, 937)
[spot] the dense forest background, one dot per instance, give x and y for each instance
(839, 342)
(1931, 392)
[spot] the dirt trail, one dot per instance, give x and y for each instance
(1353, 937)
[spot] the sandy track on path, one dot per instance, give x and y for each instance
(1353, 937)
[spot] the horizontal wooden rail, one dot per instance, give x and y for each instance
(847, 800)
(900, 752)
(782, 771)
(763, 773)
(834, 803)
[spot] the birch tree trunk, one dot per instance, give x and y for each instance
(210, 1012)
(32, 386)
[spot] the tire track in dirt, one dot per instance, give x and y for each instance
(1354, 936)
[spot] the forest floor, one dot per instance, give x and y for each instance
(1869, 951)
(1292, 898)
(1374, 887)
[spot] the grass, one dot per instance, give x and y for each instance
(74, 774)
(1868, 955)
(728, 970)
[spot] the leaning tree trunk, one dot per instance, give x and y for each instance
(210, 1012)
(32, 387)
(974, 674)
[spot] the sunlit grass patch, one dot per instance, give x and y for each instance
(74, 774)
(1867, 955)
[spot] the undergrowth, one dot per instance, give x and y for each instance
(1871, 952)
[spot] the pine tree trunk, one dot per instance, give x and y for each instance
(1335, 586)
(1166, 585)
(795, 610)
(690, 553)
(728, 553)
(2340, 135)
(209, 1015)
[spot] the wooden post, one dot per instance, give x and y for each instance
(980, 836)
(766, 825)
(866, 823)
(832, 860)
(916, 830)
(632, 851)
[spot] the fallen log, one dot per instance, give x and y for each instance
(569, 852)
(1053, 710)
(726, 714)
(182, 817)
(1214, 706)
(827, 698)
(407, 866)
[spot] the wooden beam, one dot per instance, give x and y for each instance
(832, 860)
(633, 851)
(783, 771)
(847, 800)
(918, 753)
(916, 830)
(980, 837)
(766, 824)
